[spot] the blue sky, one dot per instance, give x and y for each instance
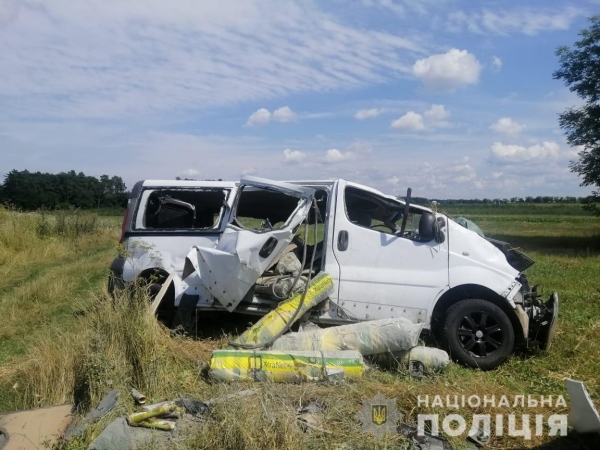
(452, 98)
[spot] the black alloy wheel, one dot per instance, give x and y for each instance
(478, 333)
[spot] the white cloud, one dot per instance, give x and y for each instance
(249, 171)
(448, 71)
(432, 118)
(190, 172)
(367, 113)
(516, 153)
(496, 63)
(393, 181)
(114, 59)
(259, 118)
(333, 155)
(529, 21)
(263, 116)
(435, 114)
(409, 121)
(507, 126)
(293, 156)
(283, 114)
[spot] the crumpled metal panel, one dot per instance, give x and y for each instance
(231, 268)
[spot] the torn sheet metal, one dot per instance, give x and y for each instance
(35, 429)
(270, 325)
(583, 416)
(241, 256)
(285, 367)
(294, 190)
(369, 338)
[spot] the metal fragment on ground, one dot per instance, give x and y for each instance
(106, 405)
(583, 416)
(139, 398)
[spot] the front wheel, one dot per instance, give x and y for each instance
(478, 333)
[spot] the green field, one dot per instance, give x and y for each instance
(62, 339)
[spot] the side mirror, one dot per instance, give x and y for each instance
(427, 227)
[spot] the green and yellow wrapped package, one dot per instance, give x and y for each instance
(285, 367)
(369, 338)
(270, 325)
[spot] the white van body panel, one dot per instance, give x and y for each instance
(380, 275)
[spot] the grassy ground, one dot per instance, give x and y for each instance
(63, 339)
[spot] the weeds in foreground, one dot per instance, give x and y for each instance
(66, 224)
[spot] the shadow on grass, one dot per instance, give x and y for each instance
(555, 245)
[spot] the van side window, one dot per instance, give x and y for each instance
(374, 212)
(169, 209)
(262, 209)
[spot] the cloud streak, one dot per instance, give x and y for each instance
(107, 58)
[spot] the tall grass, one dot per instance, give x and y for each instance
(118, 344)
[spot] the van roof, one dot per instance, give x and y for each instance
(188, 183)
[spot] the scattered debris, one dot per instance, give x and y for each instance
(119, 435)
(159, 297)
(193, 406)
(240, 394)
(32, 429)
(278, 366)
(138, 397)
(426, 442)
(106, 405)
(583, 416)
(478, 436)
(277, 320)
(149, 416)
(310, 417)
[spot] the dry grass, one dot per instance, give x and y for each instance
(54, 355)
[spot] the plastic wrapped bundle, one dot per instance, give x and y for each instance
(429, 358)
(369, 338)
(284, 367)
(270, 325)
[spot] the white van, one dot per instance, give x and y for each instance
(222, 242)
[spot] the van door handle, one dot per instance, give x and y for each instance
(342, 242)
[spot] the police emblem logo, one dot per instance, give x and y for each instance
(379, 415)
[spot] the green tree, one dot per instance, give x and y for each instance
(580, 71)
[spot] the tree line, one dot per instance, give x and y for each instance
(37, 190)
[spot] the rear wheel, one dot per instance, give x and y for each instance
(478, 333)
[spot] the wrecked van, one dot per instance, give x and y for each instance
(244, 246)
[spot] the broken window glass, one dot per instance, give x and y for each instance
(168, 209)
(262, 209)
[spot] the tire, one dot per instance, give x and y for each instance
(478, 334)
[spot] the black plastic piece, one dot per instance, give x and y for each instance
(268, 247)
(518, 260)
(342, 243)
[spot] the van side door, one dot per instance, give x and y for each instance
(382, 274)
